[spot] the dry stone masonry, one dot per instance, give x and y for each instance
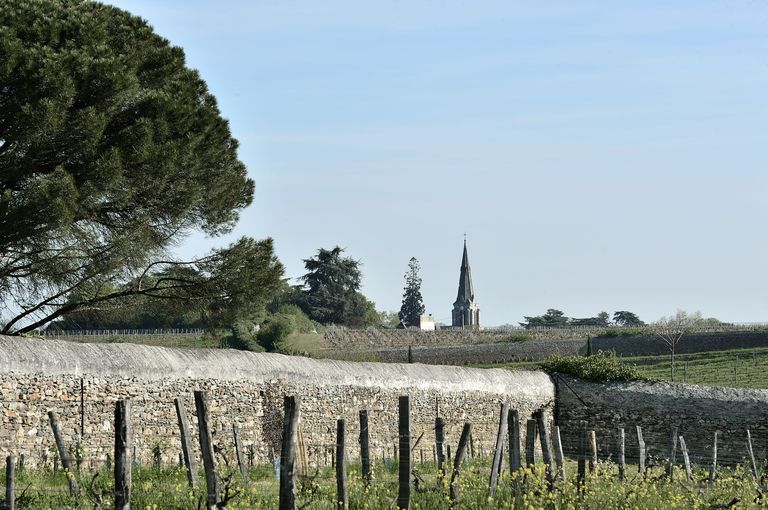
(243, 388)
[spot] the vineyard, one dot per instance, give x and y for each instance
(168, 489)
(526, 470)
(735, 368)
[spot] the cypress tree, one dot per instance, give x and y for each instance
(413, 304)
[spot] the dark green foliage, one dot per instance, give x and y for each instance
(601, 320)
(359, 311)
(275, 330)
(331, 290)
(627, 319)
(212, 292)
(600, 367)
(302, 323)
(412, 307)
(131, 312)
(552, 319)
(111, 150)
(245, 336)
(277, 327)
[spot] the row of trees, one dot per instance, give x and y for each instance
(554, 318)
(329, 293)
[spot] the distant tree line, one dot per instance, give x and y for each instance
(554, 318)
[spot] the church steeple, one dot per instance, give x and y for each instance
(465, 279)
(465, 310)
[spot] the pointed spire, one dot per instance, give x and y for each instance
(466, 293)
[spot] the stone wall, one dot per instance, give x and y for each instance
(697, 412)
(243, 388)
(247, 389)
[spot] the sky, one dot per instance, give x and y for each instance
(599, 156)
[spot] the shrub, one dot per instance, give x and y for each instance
(600, 367)
(302, 323)
(275, 330)
(244, 333)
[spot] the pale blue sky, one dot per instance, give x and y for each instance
(599, 155)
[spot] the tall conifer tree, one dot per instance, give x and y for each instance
(413, 304)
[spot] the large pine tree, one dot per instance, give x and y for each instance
(112, 150)
(413, 304)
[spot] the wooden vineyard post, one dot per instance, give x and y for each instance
(582, 461)
(238, 450)
(457, 461)
(751, 453)
(513, 427)
(66, 463)
(186, 442)
(672, 453)
(440, 445)
(641, 451)
(365, 453)
(713, 466)
(10, 493)
(621, 459)
(546, 446)
(342, 501)
(302, 468)
(288, 453)
(206, 448)
(530, 443)
(498, 452)
(123, 454)
(593, 451)
(686, 460)
(404, 466)
(559, 457)
(79, 450)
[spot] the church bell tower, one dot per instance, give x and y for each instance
(466, 313)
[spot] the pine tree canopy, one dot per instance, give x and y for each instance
(331, 290)
(412, 307)
(111, 150)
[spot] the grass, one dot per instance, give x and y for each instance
(167, 489)
(709, 368)
(704, 368)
